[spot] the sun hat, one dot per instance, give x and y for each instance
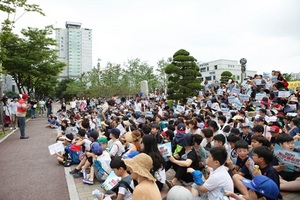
(133, 136)
(293, 99)
(25, 96)
(96, 148)
(116, 132)
(181, 128)
(262, 185)
(179, 193)
(141, 164)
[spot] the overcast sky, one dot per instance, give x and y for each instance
(266, 33)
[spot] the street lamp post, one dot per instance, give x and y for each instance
(243, 62)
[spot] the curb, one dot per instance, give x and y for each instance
(2, 139)
(71, 185)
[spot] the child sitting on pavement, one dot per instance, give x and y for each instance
(289, 178)
(218, 180)
(126, 185)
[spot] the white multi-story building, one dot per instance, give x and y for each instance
(75, 49)
(211, 71)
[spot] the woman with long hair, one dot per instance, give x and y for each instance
(149, 146)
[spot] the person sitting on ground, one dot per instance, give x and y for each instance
(53, 122)
(218, 180)
(140, 167)
(262, 157)
(186, 158)
(67, 140)
(115, 147)
(260, 188)
(289, 178)
(85, 142)
(126, 184)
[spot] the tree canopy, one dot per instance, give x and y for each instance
(184, 76)
(225, 76)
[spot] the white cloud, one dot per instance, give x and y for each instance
(266, 33)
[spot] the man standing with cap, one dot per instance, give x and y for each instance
(21, 114)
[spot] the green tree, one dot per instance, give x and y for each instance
(31, 59)
(287, 76)
(185, 78)
(225, 76)
(162, 76)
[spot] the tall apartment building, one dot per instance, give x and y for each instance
(75, 49)
(211, 71)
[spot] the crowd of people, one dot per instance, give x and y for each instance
(223, 142)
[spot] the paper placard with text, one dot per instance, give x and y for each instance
(231, 99)
(56, 148)
(244, 97)
(284, 94)
(259, 96)
(165, 150)
(235, 90)
(111, 181)
(220, 92)
(287, 157)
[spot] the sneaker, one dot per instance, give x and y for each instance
(78, 175)
(24, 137)
(74, 171)
(87, 181)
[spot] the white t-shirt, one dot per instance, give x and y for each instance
(218, 181)
(115, 147)
(13, 107)
(87, 144)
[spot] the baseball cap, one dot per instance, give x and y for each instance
(96, 148)
(274, 129)
(243, 125)
(262, 185)
(187, 139)
(116, 132)
(102, 140)
(25, 96)
(181, 128)
(94, 135)
(260, 118)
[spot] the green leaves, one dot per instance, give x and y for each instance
(184, 76)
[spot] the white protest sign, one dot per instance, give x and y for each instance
(287, 157)
(225, 111)
(231, 99)
(244, 97)
(220, 92)
(165, 150)
(111, 181)
(257, 81)
(235, 90)
(259, 96)
(284, 94)
(56, 148)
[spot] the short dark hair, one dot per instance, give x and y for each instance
(155, 125)
(197, 139)
(219, 154)
(261, 139)
(207, 132)
(295, 121)
(81, 132)
(265, 153)
(241, 144)
(222, 118)
(221, 138)
(284, 138)
(117, 163)
(232, 138)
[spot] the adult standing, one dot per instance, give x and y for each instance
(49, 106)
(33, 103)
(13, 105)
(41, 106)
(63, 105)
(21, 114)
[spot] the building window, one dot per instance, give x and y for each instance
(208, 78)
(202, 69)
(214, 77)
(216, 66)
(237, 77)
(207, 68)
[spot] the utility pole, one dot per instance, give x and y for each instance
(243, 62)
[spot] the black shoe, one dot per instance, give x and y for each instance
(24, 137)
(78, 175)
(74, 171)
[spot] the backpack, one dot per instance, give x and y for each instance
(100, 173)
(116, 188)
(285, 83)
(73, 152)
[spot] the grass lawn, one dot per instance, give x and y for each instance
(3, 134)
